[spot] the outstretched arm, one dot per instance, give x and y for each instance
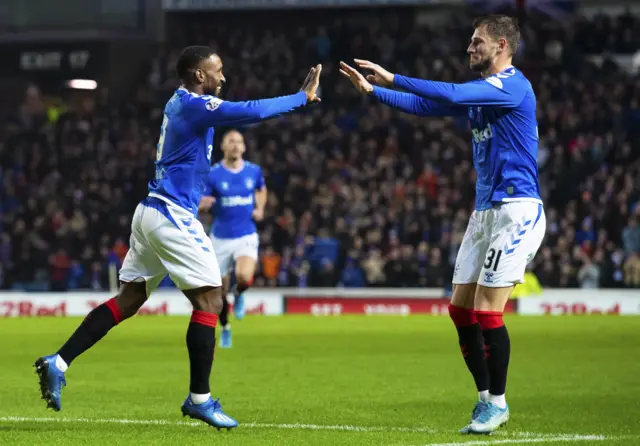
(406, 102)
(488, 92)
(500, 90)
(415, 105)
(210, 111)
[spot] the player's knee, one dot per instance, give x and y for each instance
(131, 297)
(492, 299)
(208, 300)
(463, 295)
(244, 279)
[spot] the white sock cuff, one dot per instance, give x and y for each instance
(200, 398)
(61, 364)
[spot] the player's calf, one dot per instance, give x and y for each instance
(244, 279)
(51, 369)
(223, 321)
(201, 339)
(490, 303)
(497, 347)
(471, 344)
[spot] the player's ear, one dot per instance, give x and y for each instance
(199, 75)
(502, 44)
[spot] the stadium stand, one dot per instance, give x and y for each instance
(359, 195)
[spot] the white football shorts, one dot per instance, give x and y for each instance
(229, 249)
(499, 243)
(167, 239)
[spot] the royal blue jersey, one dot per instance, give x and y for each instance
(502, 112)
(234, 192)
(186, 140)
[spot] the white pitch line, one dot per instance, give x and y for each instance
(193, 423)
(528, 437)
(340, 427)
(542, 439)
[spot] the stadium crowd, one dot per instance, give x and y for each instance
(359, 195)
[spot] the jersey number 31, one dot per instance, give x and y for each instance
(163, 131)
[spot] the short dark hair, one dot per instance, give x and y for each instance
(189, 59)
(501, 26)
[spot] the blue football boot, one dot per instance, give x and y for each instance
(489, 420)
(238, 304)
(210, 412)
(225, 338)
(51, 381)
(477, 409)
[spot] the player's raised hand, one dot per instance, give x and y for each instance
(356, 78)
(380, 76)
(311, 84)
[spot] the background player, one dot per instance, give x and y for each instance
(508, 225)
(238, 194)
(167, 237)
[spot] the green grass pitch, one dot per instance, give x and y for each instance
(307, 380)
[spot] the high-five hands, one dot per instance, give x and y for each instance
(380, 76)
(311, 84)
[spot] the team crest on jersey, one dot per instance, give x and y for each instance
(213, 104)
(225, 185)
(249, 183)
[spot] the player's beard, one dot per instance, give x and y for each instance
(211, 90)
(480, 66)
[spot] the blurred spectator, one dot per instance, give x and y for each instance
(374, 268)
(60, 268)
(589, 273)
(352, 275)
(270, 265)
(632, 271)
(631, 237)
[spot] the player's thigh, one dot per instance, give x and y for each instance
(518, 231)
(223, 249)
(246, 257)
(472, 252)
(183, 247)
(141, 264)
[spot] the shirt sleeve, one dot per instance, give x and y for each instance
(501, 90)
(415, 105)
(210, 111)
(260, 183)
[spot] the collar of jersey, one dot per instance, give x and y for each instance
(233, 171)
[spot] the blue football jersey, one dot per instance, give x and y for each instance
(235, 199)
(502, 112)
(186, 140)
